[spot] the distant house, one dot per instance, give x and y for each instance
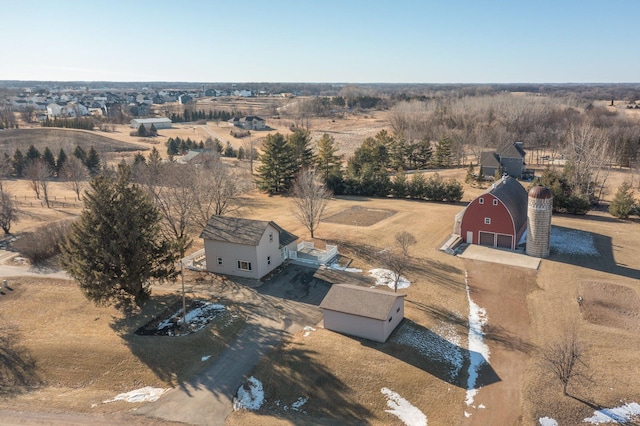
(497, 218)
(509, 158)
(245, 247)
(362, 311)
(250, 122)
(183, 99)
(158, 123)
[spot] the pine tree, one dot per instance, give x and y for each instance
(115, 248)
(443, 153)
(301, 152)
(80, 154)
(93, 161)
(62, 158)
(327, 161)
(32, 154)
(49, 159)
(623, 202)
(18, 163)
(469, 178)
(277, 169)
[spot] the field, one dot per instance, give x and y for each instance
(72, 355)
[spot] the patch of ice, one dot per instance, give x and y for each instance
(467, 414)
(387, 277)
(337, 267)
(572, 242)
(299, 403)
(307, 330)
(478, 350)
(204, 358)
(144, 394)
(547, 421)
(197, 318)
(250, 395)
(401, 408)
(443, 347)
(622, 414)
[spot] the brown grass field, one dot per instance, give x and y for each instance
(78, 355)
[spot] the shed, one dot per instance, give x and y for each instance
(497, 218)
(362, 311)
(158, 123)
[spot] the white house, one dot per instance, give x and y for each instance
(245, 247)
(362, 311)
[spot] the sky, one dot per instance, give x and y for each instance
(346, 41)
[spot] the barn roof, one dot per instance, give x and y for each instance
(361, 301)
(514, 197)
(242, 231)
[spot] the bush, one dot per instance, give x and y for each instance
(43, 243)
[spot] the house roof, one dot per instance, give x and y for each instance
(489, 159)
(512, 150)
(361, 301)
(514, 197)
(242, 231)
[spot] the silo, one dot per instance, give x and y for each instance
(539, 221)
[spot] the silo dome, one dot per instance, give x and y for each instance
(540, 207)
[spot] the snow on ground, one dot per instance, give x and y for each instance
(146, 394)
(622, 414)
(386, 277)
(299, 403)
(250, 395)
(307, 330)
(401, 408)
(337, 267)
(572, 241)
(547, 421)
(204, 358)
(443, 347)
(197, 318)
(478, 350)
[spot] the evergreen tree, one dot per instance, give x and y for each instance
(277, 169)
(93, 161)
(498, 174)
(443, 152)
(623, 203)
(62, 158)
(115, 248)
(80, 154)
(416, 186)
(172, 147)
(469, 178)
(32, 154)
(302, 154)
(18, 163)
(142, 131)
(139, 160)
(400, 184)
(480, 177)
(153, 131)
(49, 159)
(327, 161)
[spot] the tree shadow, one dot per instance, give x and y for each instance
(294, 372)
(603, 261)
(18, 369)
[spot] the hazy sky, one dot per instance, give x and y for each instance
(395, 41)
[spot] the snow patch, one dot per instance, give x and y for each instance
(337, 267)
(572, 241)
(145, 394)
(307, 330)
(387, 277)
(478, 350)
(250, 395)
(299, 403)
(622, 414)
(197, 318)
(401, 408)
(547, 421)
(204, 358)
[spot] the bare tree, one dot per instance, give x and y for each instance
(396, 258)
(5, 169)
(8, 212)
(310, 197)
(217, 190)
(38, 172)
(565, 359)
(250, 152)
(76, 174)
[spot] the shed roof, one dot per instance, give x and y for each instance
(242, 231)
(361, 301)
(152, 120)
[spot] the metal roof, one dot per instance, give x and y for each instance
(242, 231)
(361, 301)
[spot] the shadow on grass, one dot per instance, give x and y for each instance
(18, 370)
(426, 350)
(289, 374)
(604, 261)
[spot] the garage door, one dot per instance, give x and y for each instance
(504, 241)
(487, 239)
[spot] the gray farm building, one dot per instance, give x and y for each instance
(158, 123)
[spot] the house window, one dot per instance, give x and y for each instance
(481, 200)
(398, 310)
(219, 261)
(270, 237)
(244, 265)
(495, 202)
(390, 318)
(268, 260)
(487, 221)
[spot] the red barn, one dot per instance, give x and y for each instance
(497, 218)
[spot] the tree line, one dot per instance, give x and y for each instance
(189, 115)
(83, 123)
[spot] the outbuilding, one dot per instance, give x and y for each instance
(158, 123)
(497, 218)
(362, 311)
